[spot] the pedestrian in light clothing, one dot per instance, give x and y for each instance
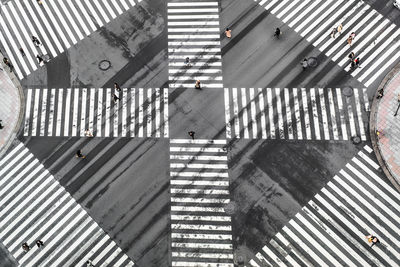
(115, 97)
(35, 41)
(304, 64)
(25, 247)
(116, 87)
(340, 28)
(228, 33)
(333, 32)
(197, 85)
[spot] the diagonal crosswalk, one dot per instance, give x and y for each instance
(376, 41)
(193, 32)
(330, 230)
(58, 24)
(201, 232)
(296, 113)
(35, 206)
(139, 112)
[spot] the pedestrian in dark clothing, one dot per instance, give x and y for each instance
(197, 85)
(333, 32)
(89, 263)
(35, 41)
(351, 56)
(8, 63)
(40, 59)
(1, 124)
(304, 64)
(116, 86)
(115, 97)
(187, 62)
(79, 154)
(22, 51)
(25, 247)
(380, 93)
(373, 239)
(357, 61)
(39, 243)
(277, 32)
(191, 134)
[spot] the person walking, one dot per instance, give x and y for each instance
(79, 154)
(304, 64)
(349, 40)
(39, 243)
(25, 247)
(35, 41)
(40, 59)
(333, 32)
(340, 28)
(116, 87)
(191, 134)
(373, 240)
(89, 263)
(277, 33)
(228, 33)
(197, 85)
(1, 124)
(88, 133)
(22, 51)
(380, 93)
(351, 56)
(187, 62)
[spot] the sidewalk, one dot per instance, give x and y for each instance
(11, 108)
(387, 145)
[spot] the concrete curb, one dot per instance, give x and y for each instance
(18, 125)
(372, 128)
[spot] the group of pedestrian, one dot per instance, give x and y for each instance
(26, 247)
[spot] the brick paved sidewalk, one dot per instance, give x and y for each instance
(11, 107)
(387, 144)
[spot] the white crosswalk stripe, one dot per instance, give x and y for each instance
(376, 41)
(332, 228)
(35, 206)
(193, 33)
(201, 232)
(71, 21)
(70, 112)
(296, 113)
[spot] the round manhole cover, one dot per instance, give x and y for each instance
(347, 91)
(356, 140)
(312, 62)
(230, 208)
(104, 64)
(239, 259)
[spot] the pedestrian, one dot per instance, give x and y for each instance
(8, 63)
(339, 28)
(304, 64)
(40, 59)
(39, 2)
(115, 97)
(197, 85)
(380, 93)
(357, 62)
(191, 134)
(351, 56)
(22, 51)
(89, 263)
(39, 243)
(25, 247)
(277, 32)
(378, 134)
(79, 154)
(116, 87)
(228, 33)
(88, 133)
(333, 32)
(1, 124)
(187, 62)
(349, 40)
(353, 35)
(35, 41)
(372, 239)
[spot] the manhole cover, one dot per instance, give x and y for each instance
(312, 62)
(230, 208)
(187, 108)
(104, 64)
(239, 259)
(347, 91)
(356, 140)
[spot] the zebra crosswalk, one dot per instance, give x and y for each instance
(331, 229)
(193, 33)
(376, 42)
(58, 25)
(201, 232)
(35, 206)
(70, 112)
(296, 113)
